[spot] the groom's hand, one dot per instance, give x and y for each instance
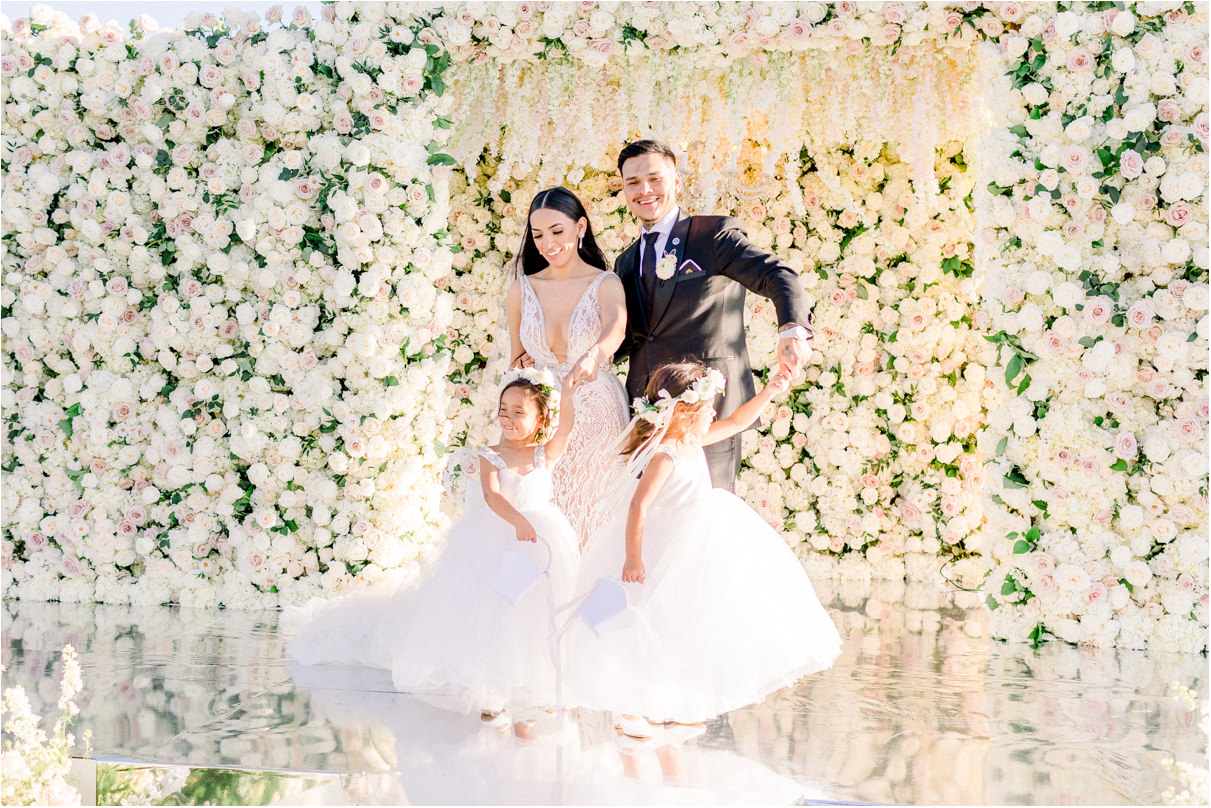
(793, 354)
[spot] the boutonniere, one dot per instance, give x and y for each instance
(666, 267)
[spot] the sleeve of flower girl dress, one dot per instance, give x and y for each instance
(487, 453)
(540, 456)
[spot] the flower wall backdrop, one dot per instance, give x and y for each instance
(253, 273)
(1094, 247)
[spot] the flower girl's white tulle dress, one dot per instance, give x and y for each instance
(725, 616)
(448, 633)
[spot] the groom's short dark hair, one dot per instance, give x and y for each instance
(639, 147)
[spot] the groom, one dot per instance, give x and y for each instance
(690, 305)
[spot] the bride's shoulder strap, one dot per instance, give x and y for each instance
(490, 454)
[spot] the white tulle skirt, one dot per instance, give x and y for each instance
(726, 615)
(448, 634)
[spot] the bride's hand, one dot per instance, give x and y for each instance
(585, 369)
(523, 361)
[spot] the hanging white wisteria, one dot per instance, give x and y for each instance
(707, 108)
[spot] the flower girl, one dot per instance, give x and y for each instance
(720, 610)
(453, 635)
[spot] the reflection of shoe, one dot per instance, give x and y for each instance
(495, 718)
(630, 746)
(533, 715)
(673, 733)
(637, 728)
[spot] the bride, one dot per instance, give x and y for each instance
(567, 313)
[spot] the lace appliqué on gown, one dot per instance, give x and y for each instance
(590, 465)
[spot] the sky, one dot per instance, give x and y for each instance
(167, 13)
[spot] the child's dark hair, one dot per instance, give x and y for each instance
(541, 399)
(675, 378)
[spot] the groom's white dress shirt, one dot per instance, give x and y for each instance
(663, 227)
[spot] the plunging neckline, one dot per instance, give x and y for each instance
(546, 342)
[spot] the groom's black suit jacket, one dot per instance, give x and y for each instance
(699, 314)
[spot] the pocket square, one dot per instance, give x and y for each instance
(689, 268)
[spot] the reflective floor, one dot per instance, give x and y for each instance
(921, 708)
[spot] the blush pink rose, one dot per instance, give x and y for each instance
(1131, 164)
(1080, 60)
(1125, 445)
(1099, 311)
(1178, 214)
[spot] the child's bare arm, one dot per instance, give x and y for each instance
(653, 479)
(567, 417)
(749, 411)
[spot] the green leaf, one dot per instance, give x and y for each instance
(991, 603)
(1016, 479)
(1022, 546)
(1120, 465)
(1013, 368)
(441, 159)
(1001, 444)
(1009, 587)
(862, 293)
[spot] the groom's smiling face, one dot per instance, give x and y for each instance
(650, 183)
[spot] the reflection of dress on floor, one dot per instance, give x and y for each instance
(726, 614)
(450, 634)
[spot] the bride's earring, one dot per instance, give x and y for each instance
(582, 241)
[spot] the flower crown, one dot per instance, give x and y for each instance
(544, 380)
(705, 388)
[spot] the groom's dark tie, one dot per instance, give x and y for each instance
(647, 270)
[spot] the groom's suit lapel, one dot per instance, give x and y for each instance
(678, 237)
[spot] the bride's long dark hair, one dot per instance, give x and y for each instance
(560, 199)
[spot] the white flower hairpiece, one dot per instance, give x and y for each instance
(544, 380)
(703, 389)
(536, 377)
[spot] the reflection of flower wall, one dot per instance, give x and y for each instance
(931, 711)
(1096, 304)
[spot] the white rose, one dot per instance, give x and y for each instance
(1067, 23)
(1131, 516)
(1156, 447)
(1123, 60)
(1066, 294)
(1176, 251)
(1038, 282)
(1034, 94)
(1123, 24)
(1123, 213)
(1080, 129)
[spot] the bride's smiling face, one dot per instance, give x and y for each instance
(556, 235)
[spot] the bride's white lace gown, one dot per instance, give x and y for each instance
(590, 466)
